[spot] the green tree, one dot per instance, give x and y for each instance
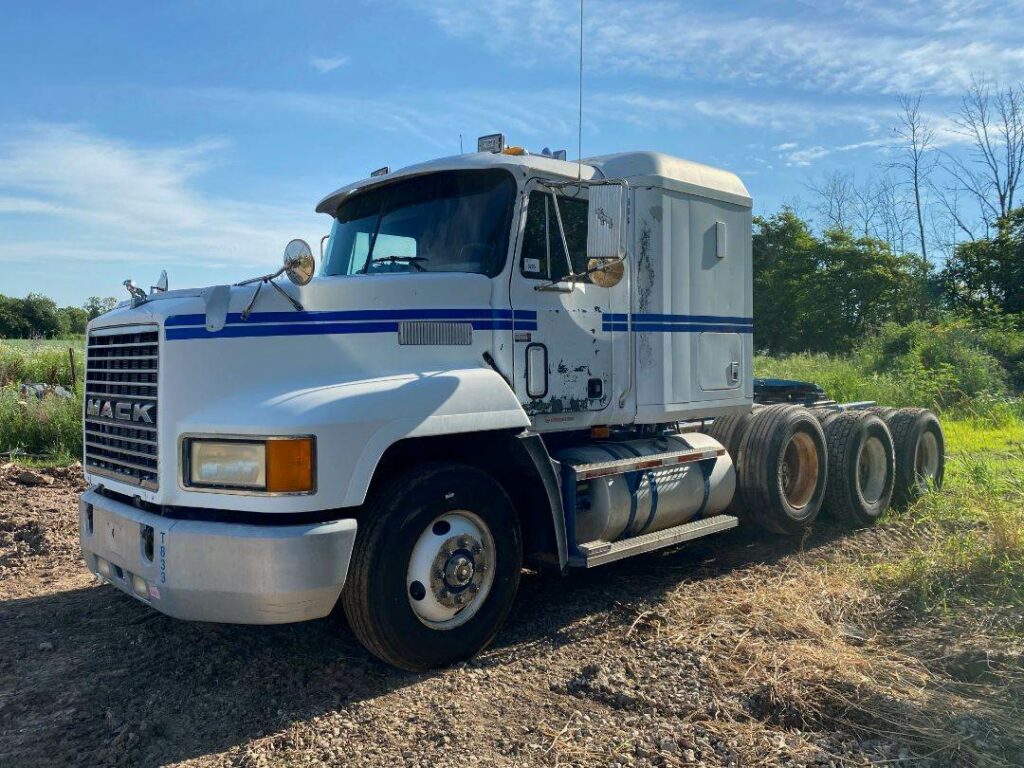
(73, 320)
(987, 275)
(784, 269)
(42, 315)
(96, 306)
(823, 294)
(13, 323)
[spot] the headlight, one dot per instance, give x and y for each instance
(276, 465)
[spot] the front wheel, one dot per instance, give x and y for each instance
(435, 567)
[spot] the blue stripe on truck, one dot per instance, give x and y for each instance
(655, 323)
(261, 324)
(458, 313)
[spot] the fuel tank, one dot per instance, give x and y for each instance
(622, 506)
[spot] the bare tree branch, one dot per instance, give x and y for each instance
(991, 118)
(834, 202)
(916, 157)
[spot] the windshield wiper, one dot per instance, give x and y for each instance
(413, 260)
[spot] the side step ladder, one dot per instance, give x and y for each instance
(594, 553)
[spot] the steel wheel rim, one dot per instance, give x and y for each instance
(451, 570)
(926, 459)
(799, 470)
(871, 470)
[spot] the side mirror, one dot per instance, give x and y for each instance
(605, 241)
(298, 262)
(604, 222)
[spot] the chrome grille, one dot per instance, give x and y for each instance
(121, 404)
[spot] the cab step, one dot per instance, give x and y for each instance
(595, 553)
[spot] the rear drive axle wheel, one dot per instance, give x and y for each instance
(861, 467)
(729, 431)
(920, 453)
(782, 468)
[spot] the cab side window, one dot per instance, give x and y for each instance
(542, 256)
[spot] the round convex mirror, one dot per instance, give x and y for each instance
(298, 262)
(607, 273)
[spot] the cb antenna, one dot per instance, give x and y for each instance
(579, 131)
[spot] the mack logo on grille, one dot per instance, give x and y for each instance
(112, 409)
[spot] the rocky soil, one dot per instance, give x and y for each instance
(733, 651)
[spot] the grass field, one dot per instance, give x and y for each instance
(974, 547)
(51, 428)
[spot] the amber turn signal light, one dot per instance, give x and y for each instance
(290, 465)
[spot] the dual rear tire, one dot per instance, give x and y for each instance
(792, 462)
(781, 469)
(920, 453)
(862, 470)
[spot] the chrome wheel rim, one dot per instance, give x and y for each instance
(926, 460)
(451, 570)
(871, 470)
(799, 470)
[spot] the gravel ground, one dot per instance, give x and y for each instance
(733, 651)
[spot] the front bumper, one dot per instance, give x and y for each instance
(223, 572)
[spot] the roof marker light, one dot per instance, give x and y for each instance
(381, 171)
(494, 142)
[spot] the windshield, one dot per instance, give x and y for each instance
(450, 221)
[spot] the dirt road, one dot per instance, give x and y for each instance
(729, 652)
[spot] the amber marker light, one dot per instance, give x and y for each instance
(290, 465)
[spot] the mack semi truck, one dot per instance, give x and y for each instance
(505, 360)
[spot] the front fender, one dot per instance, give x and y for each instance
(354, 422)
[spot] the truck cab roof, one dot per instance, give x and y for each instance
(640, 168)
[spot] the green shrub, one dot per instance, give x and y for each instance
(40, 361)
(1003, 338)
(50, 426)
(954, 367)
(948, 361)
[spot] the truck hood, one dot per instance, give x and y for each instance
(218, 310)
(355, 369)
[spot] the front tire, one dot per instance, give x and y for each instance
(435, 567)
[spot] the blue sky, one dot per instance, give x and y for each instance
(197, 137)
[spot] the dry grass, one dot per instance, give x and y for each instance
(807, 647)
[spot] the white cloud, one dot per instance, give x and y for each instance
(865, 47)
(794, 154)
(114, 199)
(792, 116)
(325, 64)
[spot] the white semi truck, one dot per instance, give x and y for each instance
(506, 360)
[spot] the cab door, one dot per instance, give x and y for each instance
(564, 362)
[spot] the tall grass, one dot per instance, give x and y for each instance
(50, 426)
(971, 543)
(40, 361)
(954, 368)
